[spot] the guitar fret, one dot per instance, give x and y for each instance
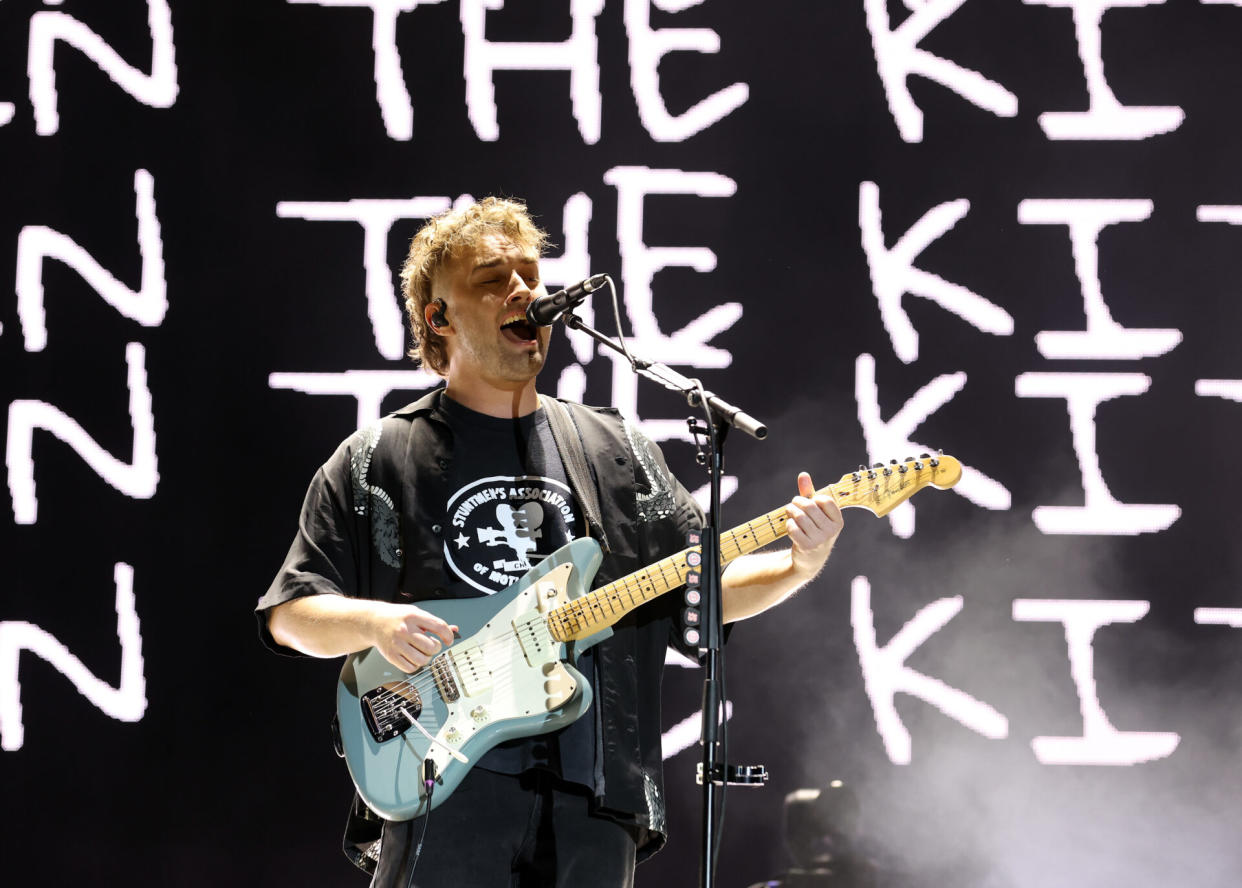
(654, 583)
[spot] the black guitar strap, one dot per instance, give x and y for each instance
(573, 455)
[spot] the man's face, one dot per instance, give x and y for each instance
(486, 292)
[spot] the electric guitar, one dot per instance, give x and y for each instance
(511, 673)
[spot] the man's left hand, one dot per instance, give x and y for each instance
(814, 522)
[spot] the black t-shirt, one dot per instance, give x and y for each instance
(510, 507)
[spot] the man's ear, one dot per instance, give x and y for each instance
(434, 314)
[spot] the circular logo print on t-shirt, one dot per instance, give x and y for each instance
(501, 527)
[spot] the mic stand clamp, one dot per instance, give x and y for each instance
(721, 416)
(735, 775)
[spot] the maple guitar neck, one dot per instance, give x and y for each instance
(878, 489)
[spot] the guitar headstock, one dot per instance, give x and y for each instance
(883, 487)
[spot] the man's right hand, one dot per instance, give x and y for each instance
(408, 636)
(332, 625)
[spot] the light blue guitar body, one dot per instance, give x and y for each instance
(505, 677)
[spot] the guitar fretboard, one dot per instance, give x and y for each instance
(878, 489)
(606, 605)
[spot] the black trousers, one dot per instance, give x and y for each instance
(501, 831)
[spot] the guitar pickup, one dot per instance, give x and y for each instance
(471, 667)
(532, 634)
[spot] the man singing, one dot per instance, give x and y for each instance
(458, 495)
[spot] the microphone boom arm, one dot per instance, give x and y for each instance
(674, 381)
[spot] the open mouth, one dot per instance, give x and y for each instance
(518, 330)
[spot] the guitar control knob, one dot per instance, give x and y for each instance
(453, 735)
(478, 714)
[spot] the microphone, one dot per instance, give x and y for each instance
(544, 311)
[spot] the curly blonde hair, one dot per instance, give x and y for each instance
(444, 238)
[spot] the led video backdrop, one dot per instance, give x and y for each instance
(1006, 230)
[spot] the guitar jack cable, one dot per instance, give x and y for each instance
(429, 783)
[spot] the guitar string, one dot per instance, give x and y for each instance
(501, 682)
(423, 681)
(501, 679)
(582, 610)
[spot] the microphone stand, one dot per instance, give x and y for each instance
(714, 771)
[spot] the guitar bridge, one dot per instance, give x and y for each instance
(442, 672)
(385, 709)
